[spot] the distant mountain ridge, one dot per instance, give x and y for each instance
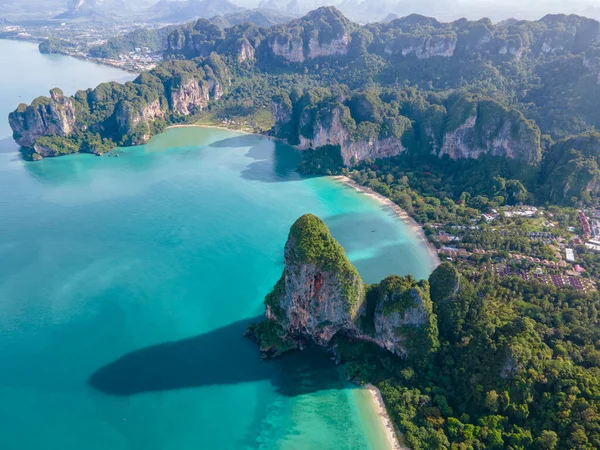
(260, 17)
(157, 40)
(184, 11)
(85, 9)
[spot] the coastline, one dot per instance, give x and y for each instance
(391, 434)
(219, 127)
(80, 57)
(403, 215)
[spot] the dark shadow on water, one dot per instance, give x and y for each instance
(8, 145)
(219, 357)
(246, 140)
(274, 163)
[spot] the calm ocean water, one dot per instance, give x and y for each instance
(126, 284)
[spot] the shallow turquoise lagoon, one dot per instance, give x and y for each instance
(126, 284)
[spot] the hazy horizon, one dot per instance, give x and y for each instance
(361, 10)
(454, 9)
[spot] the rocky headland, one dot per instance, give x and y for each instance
(321, 296)
(113, 114)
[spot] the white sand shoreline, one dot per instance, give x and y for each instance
(219, 127)
(403, 215)
(390, 430)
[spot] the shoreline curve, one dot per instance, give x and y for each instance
(402, 214)
(391, 433)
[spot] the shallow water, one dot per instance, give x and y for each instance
(26, 74)
(126, 284)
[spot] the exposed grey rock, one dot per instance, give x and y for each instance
(320, 294)
(189, 97)
(328, 129)
(314, 298)
(54, 115)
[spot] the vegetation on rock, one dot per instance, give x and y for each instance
(312, 243)
(466, 89)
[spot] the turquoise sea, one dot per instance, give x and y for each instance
(126, 284)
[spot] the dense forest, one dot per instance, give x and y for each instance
(517, 368)
(466, 89)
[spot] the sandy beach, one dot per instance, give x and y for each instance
(390, 429)
(415, 227)
(219, 127)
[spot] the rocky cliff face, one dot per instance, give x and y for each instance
(197, 40)
(204, 37)
(327, 128)
(281, 109)
(464, 126)
(337, 46)
(422, 47)
(403, 316)
(321, 294)
(245, 51)
(324, 32)
(188, 96)
(292, 48)
(114, 114)
(467, 142)
(55, 115)
(129, 116)
(476, 127)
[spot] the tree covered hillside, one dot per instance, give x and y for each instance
(466, 89)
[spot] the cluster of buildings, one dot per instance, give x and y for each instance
(545, 262)
(546, 238)
(140, 59)
(591, 229)
(446, 238)
(560, 281)
(564, 271)
(585, 223)
(521, 211)
(455, 252)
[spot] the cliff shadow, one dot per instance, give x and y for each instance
(8, 145)
(274, 162)
(245, 140)
(219, 357)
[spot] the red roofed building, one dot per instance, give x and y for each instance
(585, 224)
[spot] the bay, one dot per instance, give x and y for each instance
(126, 284)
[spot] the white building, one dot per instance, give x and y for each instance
(570, 255)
